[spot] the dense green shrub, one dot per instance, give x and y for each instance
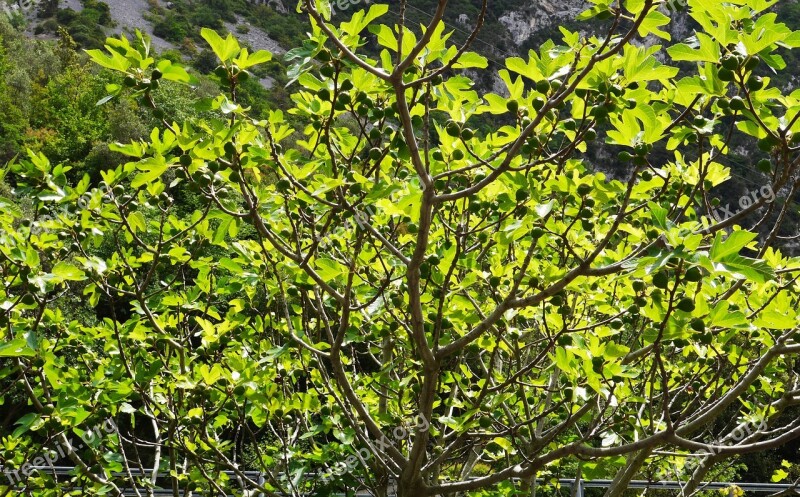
(85, 27)
(100, 10)
(47, 8)
(66, 16)
(171, 27)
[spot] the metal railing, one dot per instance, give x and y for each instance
(771, 488)
(582, 485)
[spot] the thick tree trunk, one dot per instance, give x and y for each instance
(382, 487)
(410, 486)
(626, 474)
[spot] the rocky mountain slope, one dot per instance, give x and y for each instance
(511, 27)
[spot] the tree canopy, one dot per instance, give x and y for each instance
(421, 286)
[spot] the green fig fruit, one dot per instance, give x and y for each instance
(686, 304)
(660, 280)
(693, 274)
(453, 129)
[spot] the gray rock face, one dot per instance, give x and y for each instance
(539, 15)
(529, 18)
(275, 4)
(255, 37)
(129, 16)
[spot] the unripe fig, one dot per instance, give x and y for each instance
(453, 129)
(686, 304)
(543, 86)
(725, 74)
(660, 280)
